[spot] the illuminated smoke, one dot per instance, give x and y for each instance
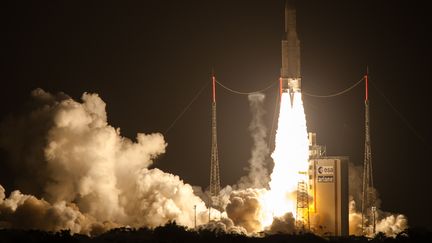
(388, 223)
(224, 225)
(25, 211)
(283, 224)
(242, 200)
(354, 218)
(244, 209)
(257, 172)
(392, 225)
(88, 178)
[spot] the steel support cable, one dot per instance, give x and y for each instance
(413, 130)
(245, 93)
(187, 107)
(335, 94)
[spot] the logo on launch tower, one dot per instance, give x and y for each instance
(325, 170)
(325, 173)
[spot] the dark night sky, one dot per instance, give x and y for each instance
(148, 59)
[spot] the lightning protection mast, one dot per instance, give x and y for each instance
(214, 161)
(368, 200)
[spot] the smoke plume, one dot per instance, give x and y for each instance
(224, 225)
(78, 173)
(28, 212)
(388, 223)
(257, 172)
(284, 224)
(242, 200)
(244, 209)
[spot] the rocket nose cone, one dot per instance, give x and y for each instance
(290, 16)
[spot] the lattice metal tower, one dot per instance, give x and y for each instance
(214, 167)
(302, 210)
(368, 200)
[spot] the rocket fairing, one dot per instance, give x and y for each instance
(290, 80)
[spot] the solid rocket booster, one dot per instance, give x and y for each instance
(290, 80)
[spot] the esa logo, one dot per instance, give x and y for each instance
(325, 170)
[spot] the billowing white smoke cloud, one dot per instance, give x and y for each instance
(355, 219)
(387, 223)
(257, 171)
(284, 224)
(223, 225)
(28, 212)
(392, 225)
(88, 176)
(244, 209)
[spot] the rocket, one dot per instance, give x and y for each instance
(290, 80)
